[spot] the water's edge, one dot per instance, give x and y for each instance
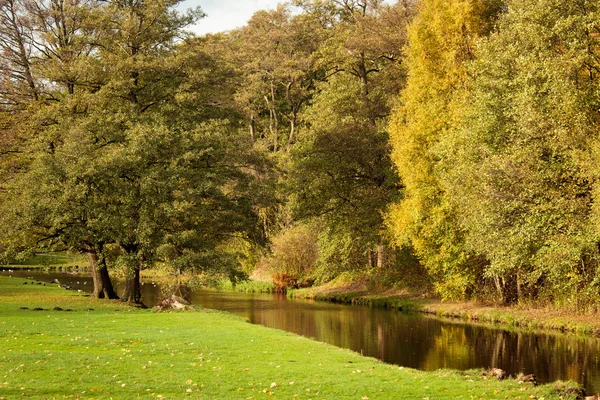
(407, 339)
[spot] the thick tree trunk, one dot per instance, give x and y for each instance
(133, 288)
(103, 288)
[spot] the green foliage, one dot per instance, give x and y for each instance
(343, 173)
(294, 253)
(520, 171)
(352, 135)
(121, 153)
(338, 253)
(250, 286)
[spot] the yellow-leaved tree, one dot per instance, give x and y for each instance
(441, 41)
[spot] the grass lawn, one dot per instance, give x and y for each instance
(103, 349)
(50, 259)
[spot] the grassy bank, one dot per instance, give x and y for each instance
(522, 316)
(249, 286)
(103, 349)
(42, 260)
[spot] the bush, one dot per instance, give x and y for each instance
(293, 257)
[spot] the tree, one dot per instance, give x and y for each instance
(525, 151)
(114, 159)
(441, 42)
(46, 44)
(275, 57)
(341, 172)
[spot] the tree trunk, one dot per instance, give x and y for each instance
(292, 139)
(509, 289)
(252, 128)
(273, 120)
(498, 286)
(133, 289)
(380, 256)
(370, 259)
(363, 75)
(103, 288)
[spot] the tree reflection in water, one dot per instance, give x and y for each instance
(422, 342)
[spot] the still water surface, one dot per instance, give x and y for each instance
(410, 340)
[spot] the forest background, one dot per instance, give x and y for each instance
(447, 147)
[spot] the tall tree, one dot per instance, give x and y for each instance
(138, 54)
(441, 42)
(341, 171)
(47, 43)
(275, 55)
(525, 156)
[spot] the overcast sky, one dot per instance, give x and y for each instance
(224, 15)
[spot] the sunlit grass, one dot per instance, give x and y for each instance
(49, 259)
(103, 349)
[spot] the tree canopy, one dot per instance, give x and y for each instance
(456, 137)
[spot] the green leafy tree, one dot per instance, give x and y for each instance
(275, 54)
(523, 175)
(46, 43)
(122, 153)
(341, 172)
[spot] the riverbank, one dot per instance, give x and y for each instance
(59, 344)
(529, 317)
(360, 291)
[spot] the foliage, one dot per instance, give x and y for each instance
(328, 137)
(338, 253)
(441, 39)
(116, 154)
(294, 253)
(340, 171)
(523, 155)
(250, 286)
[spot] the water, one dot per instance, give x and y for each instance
(410, 340)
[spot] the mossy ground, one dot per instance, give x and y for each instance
(104, 349)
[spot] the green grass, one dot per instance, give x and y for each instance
(248, 286)
(254, 287)
(49, 259)
(115, 351)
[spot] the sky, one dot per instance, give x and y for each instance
(224, 15)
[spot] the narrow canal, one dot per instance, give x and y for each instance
(410, 340)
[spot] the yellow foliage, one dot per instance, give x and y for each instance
(441, 39)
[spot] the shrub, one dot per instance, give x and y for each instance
(293, 257)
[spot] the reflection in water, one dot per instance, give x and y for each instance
(410, 340)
